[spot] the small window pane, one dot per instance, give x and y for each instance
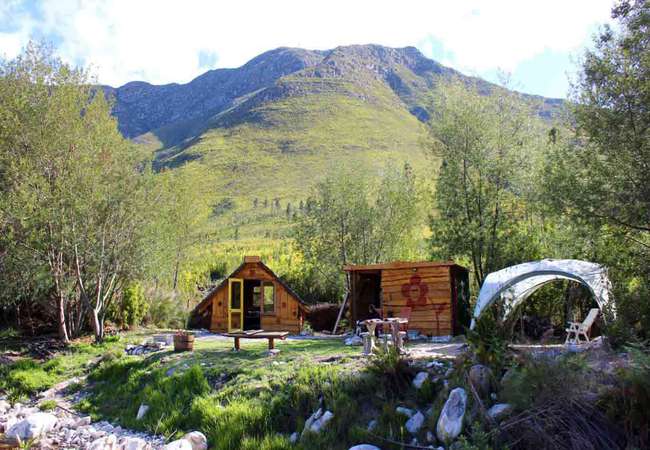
(269, 298)
(235, 295)
(257, 296)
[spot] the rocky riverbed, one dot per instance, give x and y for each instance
(63, 428)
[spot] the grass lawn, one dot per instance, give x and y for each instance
(252, 400)
(246, 399)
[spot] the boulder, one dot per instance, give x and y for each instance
(197, 439)
(500, 411)
(405, 411)
(134, 444)
(142, 410)
(32, 427)
(314, 417)
(105, 443)
(419, 379)
(364, 447)
(354, 340)
(180, 444)
(4, 406)
(83, 421)
(321, 422)
(481, 378)
(414, 424)
(450, 422)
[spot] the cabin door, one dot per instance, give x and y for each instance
(235, 304)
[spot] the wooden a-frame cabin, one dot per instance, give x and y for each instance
(251, 298)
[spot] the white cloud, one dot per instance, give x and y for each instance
(160, 41)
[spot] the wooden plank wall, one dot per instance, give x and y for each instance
(432, 310)
(288, 316)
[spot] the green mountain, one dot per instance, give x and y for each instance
(265, 133)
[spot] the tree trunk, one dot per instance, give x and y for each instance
(98, 327)
(63, 330)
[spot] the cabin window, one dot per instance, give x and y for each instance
(269, 298)
(257, 296)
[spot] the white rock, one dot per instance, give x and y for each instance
(436, 364)
(180, 444)
(430, 437)
(32, 427)
(313, 418)
(4, 406)
(142, 410)
(419, 379)
(499, 411)
(197, 439)
(372, 425)
(450, 422)
(364, 447)
(321, 422)
(294, 437)
(414, 424)
(405, 411)
(354, 340)
(106, 443)
(83, 421)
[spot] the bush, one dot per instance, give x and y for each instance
(47, 405)
(627, 401)
(489, 342)
(166, 311)
(27, 377)
(542, 380)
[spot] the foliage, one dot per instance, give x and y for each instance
(489, 342)
(488, 146)
(47, 405)
(26, 377)
(131, 309)
(350, 221)
(72, 193)
(626, 401)
(392, 367)
(541, 380)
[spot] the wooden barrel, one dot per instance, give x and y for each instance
(183, 343)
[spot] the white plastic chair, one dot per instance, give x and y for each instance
(577, 329)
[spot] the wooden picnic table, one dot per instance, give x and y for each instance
(258, 334)
(393, 324)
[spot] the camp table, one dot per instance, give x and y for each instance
(393, 323)
(258, 334)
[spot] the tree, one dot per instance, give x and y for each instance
(349, 220)
(605, 170)
(486, 145)
(73, 188)
(599, 174)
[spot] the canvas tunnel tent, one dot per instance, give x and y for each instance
(515, 284)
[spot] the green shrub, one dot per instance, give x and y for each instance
(27, 377)
(489, 342)
(542, 380)
(47, 405)
(391, 368)
(131, 309)
(627, 401)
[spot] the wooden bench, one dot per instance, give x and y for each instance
(258, 334)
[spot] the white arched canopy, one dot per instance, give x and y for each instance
(515, 284)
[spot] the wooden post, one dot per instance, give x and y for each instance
(236, 344)
(338, 318)
(271, 343)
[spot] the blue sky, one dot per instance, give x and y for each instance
(537, 43)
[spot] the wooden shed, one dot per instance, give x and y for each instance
(437, 294)
(251, 298)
